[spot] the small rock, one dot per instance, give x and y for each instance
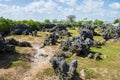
(90, 56)
(103, 42)
(105, 56)
(83, 73)
(118, 55)
(44, 55)
(97, 56)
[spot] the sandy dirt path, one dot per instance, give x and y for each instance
(39, 62)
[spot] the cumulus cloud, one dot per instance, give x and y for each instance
(28, 11)
(91, 9)
(115, 5)
(69, 2)
(90, 5)
(41, 6)
(41, 9)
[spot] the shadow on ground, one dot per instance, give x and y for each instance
(7, 58)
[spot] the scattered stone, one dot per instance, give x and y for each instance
(90, 56)
(44, 55)
(60, 54)
(50, 40)
(12, 41)
(97, 56)
(35, 33)
(5, 47)
(103, 42)
(17, 43)
(118, 55)
(105, 56)
(24, 44)
(83, 73)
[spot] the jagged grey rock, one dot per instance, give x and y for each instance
(97, 56)
(63, 70)
(4, 47)
(12, 41)
(50, 40)
(20, 29)
(90, 56)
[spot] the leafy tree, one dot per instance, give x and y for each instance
(89, 22)
(47, 21)
(32, 24)
(116, 21)
(4, 25)
(98, 22)
(38, 24)
(11, 22)
(79, 22)
(71, 18)
(86, 22)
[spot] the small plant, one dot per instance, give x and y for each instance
(20, 63)
(91, 74)
(48, 72)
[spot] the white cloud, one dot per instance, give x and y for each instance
(115, 5)
(41, 6)
(90, 5)
(13, 12)
(69, 2)
(91, 9)
(41, 9)
(2, 6)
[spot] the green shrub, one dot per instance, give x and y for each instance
(48, 72)
(91, 74)
(20, 63)
(4, 25)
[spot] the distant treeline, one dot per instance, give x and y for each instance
(5, 24)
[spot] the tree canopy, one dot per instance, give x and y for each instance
(71, 18)
(47, 21)
(5, 24)
(116, 21)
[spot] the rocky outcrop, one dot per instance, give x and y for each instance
(63, 70)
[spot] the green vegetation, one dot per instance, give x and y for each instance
(107, 68)
(91, 74)
(5, 24)
(74, 32)
(48, 71)
(98, 22)
(47, 21)
(98, 38)
(98, 31)
(32, 24)
(20, 63)
(116, 21)
(111, 49)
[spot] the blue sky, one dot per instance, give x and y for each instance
(39, 10)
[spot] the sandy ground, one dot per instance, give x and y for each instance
(39, 62)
